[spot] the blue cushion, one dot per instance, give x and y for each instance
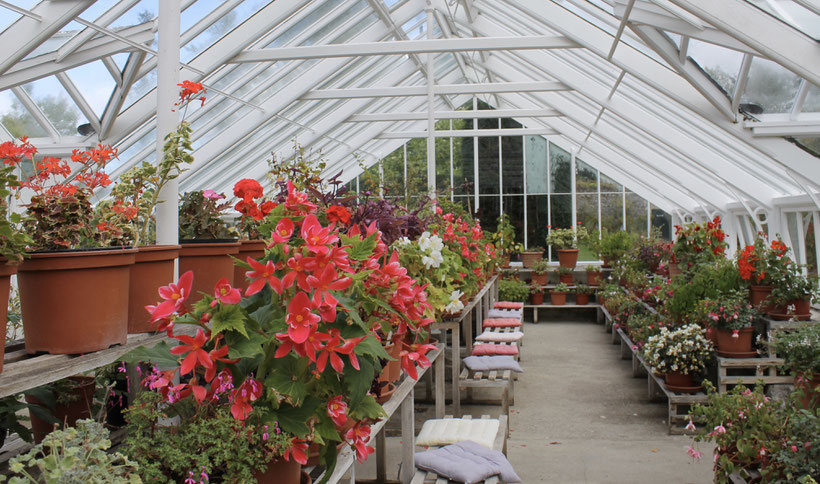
(467, 462)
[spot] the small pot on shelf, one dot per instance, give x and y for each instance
(594, 278)
(568, 257)
(280, 471)
(736, 345)
(558, 298)
(540, 279)
(530, 257)
(566, 278)
(537, 298)
(78, 407)
(582, 299)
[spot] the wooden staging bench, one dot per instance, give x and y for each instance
(466, 321)
(500, 444)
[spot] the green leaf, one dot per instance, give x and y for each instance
(329, 456)
(367, 408)
(247, 347)
(159, 355)
(292, 419)
(327, 429)
(358, 382)
(285, 377)
(361, 249)
(228, 318)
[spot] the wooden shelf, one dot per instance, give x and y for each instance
(23, 372)
(559, 306)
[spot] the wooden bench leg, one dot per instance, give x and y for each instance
(505, 407)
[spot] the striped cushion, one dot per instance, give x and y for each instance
(504, 313)
(492, 336)
(452, 430)
(481, 349)
(508, 305)
(501, 323)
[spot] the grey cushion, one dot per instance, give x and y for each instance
(488, 363)
(467, 462)
(504, 313)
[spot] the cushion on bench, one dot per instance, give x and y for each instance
(500, 337)
(481, 349)
(504, 313)
(501, 323)
(437, 432)
(490, 363)
(508, 305)
(467, 462)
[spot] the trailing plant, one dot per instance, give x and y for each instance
(699, 242)
(685, 350)
(200, 215)
(799, 347)
(513, 290)
(642, 326)
(76, 455)
(560, 239)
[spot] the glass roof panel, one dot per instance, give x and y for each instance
(722, 64)
(792, 14)
(16, 118)
(812, 102)
(144, 11)
(771, 86)
(95, 83)
(58, 107)
(142, 87)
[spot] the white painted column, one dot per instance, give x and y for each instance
(431, 122)
(572, 190)
(167, 116)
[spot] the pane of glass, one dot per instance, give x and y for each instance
(417, 166)
(586, 206)
(560, 161)
(771, 86)
(213, 33)
(812, 145)
(95, 83)
(488, 211)
(514, 208)
(561, 211)
(720, 63)
(612, 211)
(537, 220)
(144, 11)
(369, 180)
(609, 185)
(812, 102)
(56, 105)
(509, 123)
(663, 222)
(512, 163)
(442, 166)
(16, 118)
(463, 166)
(811, 249)
(140, 88)
(466, 202)
(586, 178)
(635, 214)
(394, 173)
(536, 164)
(488, 165)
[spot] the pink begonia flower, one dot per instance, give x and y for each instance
(210, 194)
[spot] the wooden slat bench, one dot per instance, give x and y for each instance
(500, 444)
(503, 380)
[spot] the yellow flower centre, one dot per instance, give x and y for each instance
(223, 291)
(315, 239)
(299, 318)
(283, 232)
(176, 295)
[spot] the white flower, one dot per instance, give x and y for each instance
(424, 242)
(403, 241)
(456, 295)
(436, 244)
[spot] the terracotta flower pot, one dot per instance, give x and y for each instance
(801, 312)
(581, 299)
(530, 257)
(607, 263)
(566, 278)
(558, 298)
(153, 267)
(680, 383)
(593, 278)
(280, 471)
(810, 386)
(210, 261)
(537, 298)
(736, 347)
(386, 394)
(757, 296)
(392, 370)
(568, 257)
(540, 279)
(254, 249)
(75, 301)
(67, 414)
(6, 271)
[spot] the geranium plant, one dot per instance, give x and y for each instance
(513, 290)
(685, 350)
(252, 207)
(560, 239)
(699, 242)
(13, 241)
(306, 333)
(762, 263)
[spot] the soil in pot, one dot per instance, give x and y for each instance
(77, 406)
(280, 471)
(75, 301)
(740, 346)
(568, 257)
(255, 249)
(582, 299)
(210, 261)
(153, 267)
(558, 298)
(540, 279)
(6, 271)
(593, 278)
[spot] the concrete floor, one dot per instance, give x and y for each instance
(580, 417)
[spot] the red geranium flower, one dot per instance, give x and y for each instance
(337, 213)
(247, 189)
(192, 346)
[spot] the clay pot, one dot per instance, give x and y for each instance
(6, 271)
(67, 414)
(386, 394)
(537, 298)
(757, 296)
(581, 299)
(802, 311)
(280, 471)
(255, 249)
(566, 278)
(210, 261)
(540, 279)
(680, 383)
(153, 267)
(568, 257)
(730, 346)
(607, 263)
(810, 386)
(530, 257)
(558, 298)
(392, 370)
(593, 278)
(75, 301)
